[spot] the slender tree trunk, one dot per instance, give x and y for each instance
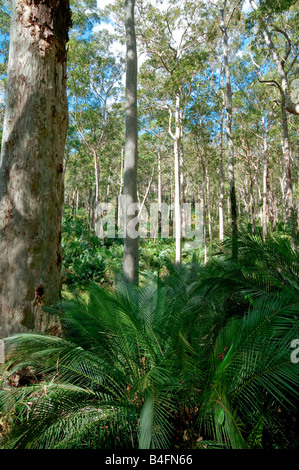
(74, 202)
(182, 189)
(159, 182)
(177, 208)
(229, 117)
(289, 105)
(146, 193)
(177, 205)
(204, 207)
(290, 209)
(221, 198)
(252, 205)
(118, 202)
(31, 163)
(77, 200)
(177, 190)
(204, 221)
(282, 180)
(209, 206)
(130, 259)
(265, 185)
(159, 192)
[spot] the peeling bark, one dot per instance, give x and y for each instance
(31, 163)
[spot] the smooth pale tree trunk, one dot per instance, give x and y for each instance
(130, 259)
(289, 104)
(177, 208)
(209, 206)
(176, 136)
(177, 204)
(204, 222)
(146, 193)
(31, 163)
(229, 117)
(118, 201)
(182, 189)
(221, 197)
(204, 207)
(159, 182)
(290, 207)
(282, 180)
(252, 204)
(159, 191)
(265, 185)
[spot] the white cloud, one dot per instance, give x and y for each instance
(101, 26)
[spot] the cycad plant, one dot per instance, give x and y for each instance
(199, 358)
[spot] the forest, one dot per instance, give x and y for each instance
(149, 294)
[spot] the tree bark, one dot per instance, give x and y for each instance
(177, 192)
(229, 117)
(290, 209)
(209, 206)
(289, 104)
(221, 198)
(31, 163)
(130, 259)
(265, 181)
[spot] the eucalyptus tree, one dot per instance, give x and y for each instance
(226, 11)
(279, 33)
(94, 86)
(5, 6)
(31, 162)
(130, 258)
(285, 62)
(171, 38)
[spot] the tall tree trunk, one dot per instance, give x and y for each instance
(31, 163)
(176, 136)
(209, 206)
(204, 207)
(290, 209)
(182, 189)
(229, 117)
(177, 208)
(159, 182)
(289, 104)
(252, 205)
(282, 180)
(130, 259)
(159, 192)
(221, 198)
(265, 185)
(177, 204)
(146, 193)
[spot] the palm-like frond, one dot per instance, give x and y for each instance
(211, 342)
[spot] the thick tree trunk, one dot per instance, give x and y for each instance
(130, 259)
(31, 163)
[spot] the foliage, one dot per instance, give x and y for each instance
(201, 354)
